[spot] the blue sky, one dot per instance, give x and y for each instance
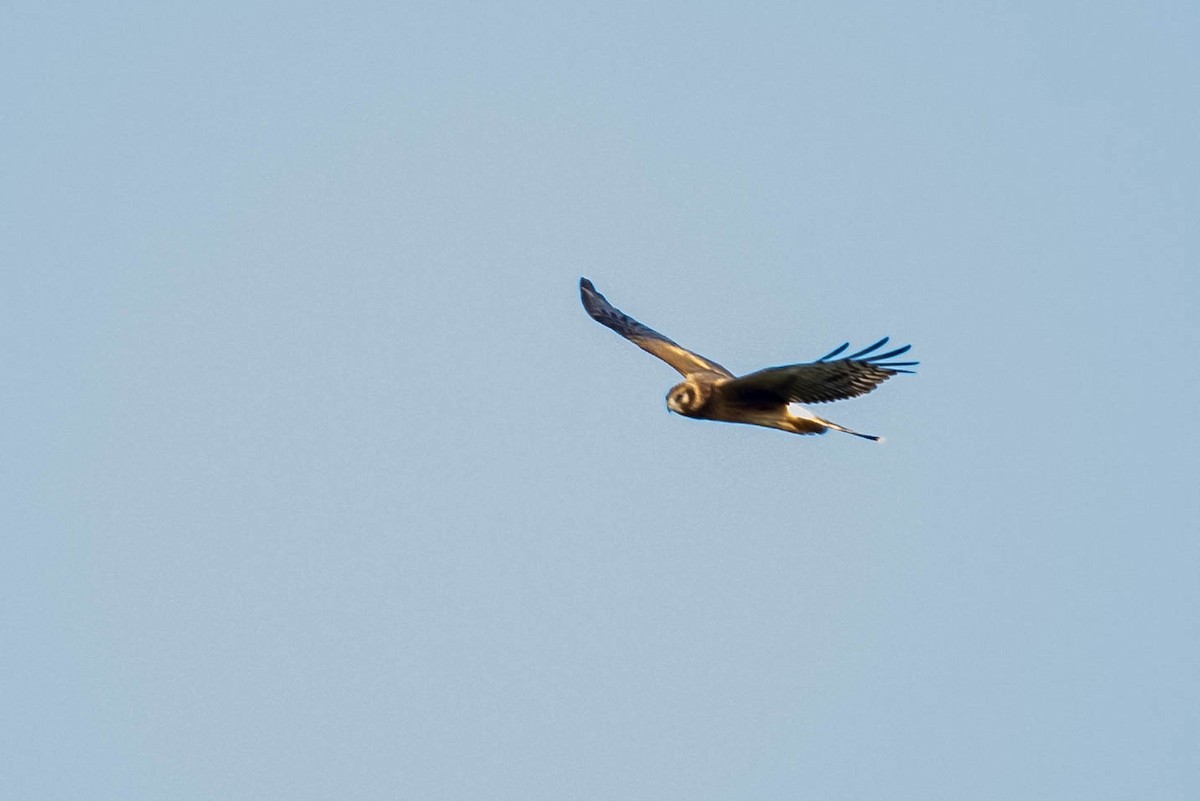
(321, 484)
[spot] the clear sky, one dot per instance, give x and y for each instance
(318, 483)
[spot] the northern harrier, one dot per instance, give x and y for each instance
(769, 397)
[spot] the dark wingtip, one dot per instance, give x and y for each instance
(891, 354)
(869, 349)
(834, 352)
(593, 302)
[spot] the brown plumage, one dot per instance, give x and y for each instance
(768, 397)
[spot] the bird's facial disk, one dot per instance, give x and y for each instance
(682, 399)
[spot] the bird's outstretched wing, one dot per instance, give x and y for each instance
(644, 337)
(826, 379)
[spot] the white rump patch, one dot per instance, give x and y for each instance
(798, 411)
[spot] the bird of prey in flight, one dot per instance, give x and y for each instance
(769, 397)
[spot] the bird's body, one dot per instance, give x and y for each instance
(769, 397)
(701, 397)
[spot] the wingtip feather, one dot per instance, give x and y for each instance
(869, 349)
(834, 352)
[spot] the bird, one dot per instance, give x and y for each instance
(771, 397)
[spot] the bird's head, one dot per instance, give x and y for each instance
(687, 398)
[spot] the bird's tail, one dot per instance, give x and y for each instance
(836, 427)
(801, 421)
